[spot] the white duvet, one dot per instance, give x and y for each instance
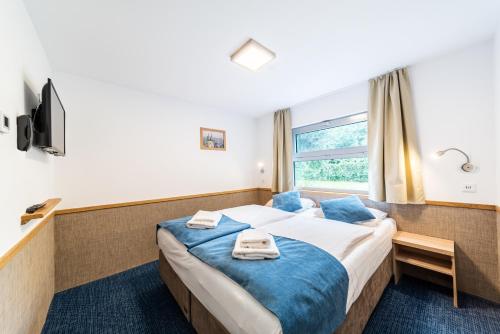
(360, 249)
(334, 237)
(256, 215)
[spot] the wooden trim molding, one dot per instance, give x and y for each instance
(150, 201)
(335, 193)
(7, 256)
(488, 207)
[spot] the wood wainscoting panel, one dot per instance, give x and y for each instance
(265, 195)
(475, 230)
(93, 244)
(476, 246)
(27, 283)
(498, 246)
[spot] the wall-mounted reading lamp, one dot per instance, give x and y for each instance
(260, 165)
(466, 167)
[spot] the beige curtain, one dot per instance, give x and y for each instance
(282, 151)
(393, 155)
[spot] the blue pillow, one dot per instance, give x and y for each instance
(288, 201)
(348, 209)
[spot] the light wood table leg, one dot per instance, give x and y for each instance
(455, 292)
(395, 265)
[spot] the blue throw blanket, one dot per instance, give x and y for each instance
(306, 288)
(191, 237)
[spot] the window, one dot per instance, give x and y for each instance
(332, 154)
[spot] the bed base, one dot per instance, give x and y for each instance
(205, 323)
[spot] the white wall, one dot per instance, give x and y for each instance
(125, 145)
(26, 176)
(265, 130)
(453, 99)
(340, 103)
(454, 108)
(496, 59)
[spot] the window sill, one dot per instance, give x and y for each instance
(337, 192)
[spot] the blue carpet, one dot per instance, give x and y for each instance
(417, 307)
(134, 301)
(137, 301)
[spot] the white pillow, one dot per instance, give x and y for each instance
(369, 222)
(378, 213)
(319, 213)
(306, 203)
(379, 216)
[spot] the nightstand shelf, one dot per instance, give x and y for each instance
(441, 266)
(425, 252)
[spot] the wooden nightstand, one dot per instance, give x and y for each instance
(426, 252)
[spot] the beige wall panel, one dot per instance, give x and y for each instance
(27, 284)
(264, 196)
(498, 246)
(95, 244)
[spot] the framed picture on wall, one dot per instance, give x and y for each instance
(212, 139)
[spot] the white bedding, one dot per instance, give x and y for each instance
(256, 215)
(235, 308)
(336, 238)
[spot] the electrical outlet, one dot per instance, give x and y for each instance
(469, 188)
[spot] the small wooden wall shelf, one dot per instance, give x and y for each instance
(42, 212)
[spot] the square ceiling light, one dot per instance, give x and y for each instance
(252, 55)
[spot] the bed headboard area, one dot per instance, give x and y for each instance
(474, 228)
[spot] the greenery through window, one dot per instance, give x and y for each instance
(351, 135)
(332, 154)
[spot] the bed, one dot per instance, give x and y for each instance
(216, 304)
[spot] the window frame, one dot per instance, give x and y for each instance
(338, 153)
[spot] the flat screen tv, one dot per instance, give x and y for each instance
(49, 122)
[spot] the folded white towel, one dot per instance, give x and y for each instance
(271, 252)
(255, 239)
(209, 216)
(204, 219)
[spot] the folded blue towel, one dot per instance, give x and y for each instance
(194, 237)
(306, 288)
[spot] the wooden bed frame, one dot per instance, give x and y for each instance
(205, 323)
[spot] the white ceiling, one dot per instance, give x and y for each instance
(181, 48)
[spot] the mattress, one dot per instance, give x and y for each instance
(236, 309)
